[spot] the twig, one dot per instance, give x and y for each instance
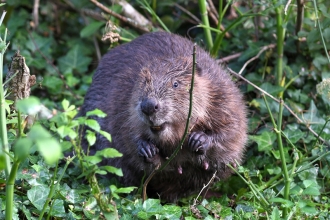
(36, 14)
(236, 55)
(256, 57)
(196, 19)
(204, 187)
(2, 17)
(179, 147)
(285, 105)
(144, 188)
(286, 7)
(130, 12)
(229, 58)
(120, 17)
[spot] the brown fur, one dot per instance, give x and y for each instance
(149, 68)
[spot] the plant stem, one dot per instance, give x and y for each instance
(287, 180)
(205, 20)
(280, 45)
(253, 188)
(3, 125)
(10, 190)
(320, 30)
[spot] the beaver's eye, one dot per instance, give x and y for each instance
(175, 84)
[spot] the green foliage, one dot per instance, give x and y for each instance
(61, 53)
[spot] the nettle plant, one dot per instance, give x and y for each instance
(38, 170)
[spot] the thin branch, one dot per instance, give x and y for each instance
(179, 147)
(204, 187)
(285, 105)
(188, 13)
(272, 97)
(35, 14)
(120, 17)
(256, 57)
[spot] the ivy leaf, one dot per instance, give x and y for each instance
(312, 117)
(293, 133)
(268, 87)
(172, 212)
(265, 141)
(38, 195)
(72, 196)
(58, 208)
(74, 60)
(152, 205)
(90, 29)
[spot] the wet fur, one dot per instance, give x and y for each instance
(148, 67)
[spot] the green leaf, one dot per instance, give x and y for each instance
(65, 104)
(91, 29)
(293, 133)
(275, 214)
(38, 132)
(29, 106)
(126, 190)
(58, 208)
(152, 205)
(93, 124)
(64, 131)
(265, 141)
(38, 195)
(50, 149)
(72, 196)
(312, 191)
(96, 112)
(109, 153)
(284, 202)
(111, 169)
(172, 212)
(54, 84)
(91, 137)
(106, 135)
(273, 90)
(93, 159)
(22, 148)
(312, 115)
(74, 60)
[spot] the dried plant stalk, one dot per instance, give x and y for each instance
(19, 80)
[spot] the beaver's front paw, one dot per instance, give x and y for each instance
(198, 142)
(147, 150)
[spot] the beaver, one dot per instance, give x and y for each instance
(143, 87)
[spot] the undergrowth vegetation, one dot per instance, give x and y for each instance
(280, 50)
